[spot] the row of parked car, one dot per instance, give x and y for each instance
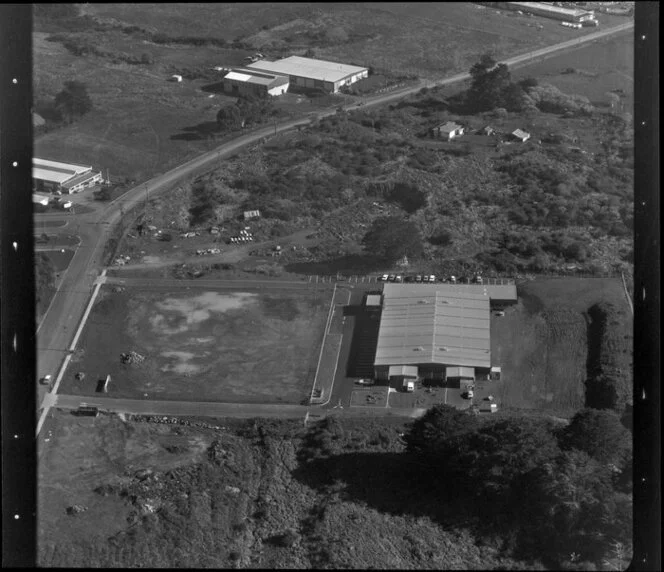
(431, 278)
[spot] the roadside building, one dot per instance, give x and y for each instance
(438, 331)
(250, 215)
(37, 120)
(548, 10)
(41, 199)
(308, 73)
(65, 177)
(520, 135)
(243, 81)
(448, 130)
(459, 376)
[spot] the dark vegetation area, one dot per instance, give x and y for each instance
(44, 281)
(606, 386)
(452, 491)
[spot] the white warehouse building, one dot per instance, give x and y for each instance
(64, 177)
(244, 81)
(311, 74)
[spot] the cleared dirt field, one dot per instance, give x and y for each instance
(203, 345)
(542, 342)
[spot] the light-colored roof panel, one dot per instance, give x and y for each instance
(237, 76)
(460, 372)
(79, 179)
(54, 171)
(402, 370)
(320, 70)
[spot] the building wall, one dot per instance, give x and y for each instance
(278, 90)
(243, 88)
(96, 178)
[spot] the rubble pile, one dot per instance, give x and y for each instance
(131, 358)
(76, 509)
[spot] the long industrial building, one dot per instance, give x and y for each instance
(431, 330)
(550, 11)
(311, 74)
(65, 177)
(243, 81)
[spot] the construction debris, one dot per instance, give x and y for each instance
(76, 509)
(131, 357)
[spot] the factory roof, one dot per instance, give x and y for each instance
(433, 324)
(551, 8)
(256, 77)
(54, 171)
(320, 70)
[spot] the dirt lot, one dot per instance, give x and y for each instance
(542, 342)
(214, 346)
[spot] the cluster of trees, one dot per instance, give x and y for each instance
(547, 492)
(246, 111)
(44, 277)
(607, 387)
(87, 45)
(73, 100)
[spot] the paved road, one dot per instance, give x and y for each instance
(153, 283)
(69, 302)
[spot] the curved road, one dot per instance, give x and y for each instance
(68, 304)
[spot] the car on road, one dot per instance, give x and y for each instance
(46, 379)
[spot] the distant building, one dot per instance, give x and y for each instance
(488, 130)
(249, 215)
(41, 199)
(243, 81)
(37, 120)
(520, 135)
(550, 11)
(448, 130)
(311, 73)
(65, 177)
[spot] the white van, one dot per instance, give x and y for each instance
(408, 386)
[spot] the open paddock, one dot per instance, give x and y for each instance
(203, 345)
(542, 342)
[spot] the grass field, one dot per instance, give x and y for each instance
(203, 346)
(542, 342)
(60, 258)
(601, 66)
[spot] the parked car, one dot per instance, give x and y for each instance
(364, 381)
(46, 379)
(500, 313)
(453, 280)
(384, 278)
(418, 278)
(409, 279)
(398, 278)
(432, 278)
(391, 278)
(478, 279)
(468, 394)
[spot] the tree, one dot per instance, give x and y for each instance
(489, 82)
(439, 431)
(600, 434)
(392, 237)
(44, 276)
(73, 100)
(230, 117)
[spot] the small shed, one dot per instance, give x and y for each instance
(448, 130)
(494, 374)
(520, 135)
(249, 215)
(488, 130)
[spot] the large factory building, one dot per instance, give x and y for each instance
(437, 331)
(309, 73)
